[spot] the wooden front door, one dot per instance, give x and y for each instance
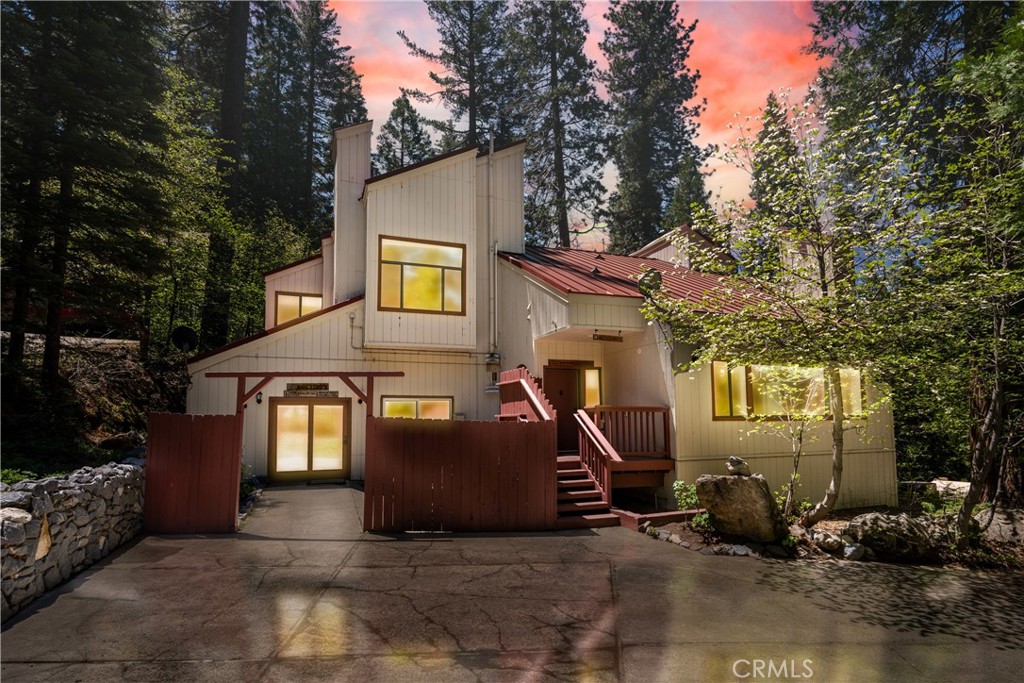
(562, 388)
(310, 438)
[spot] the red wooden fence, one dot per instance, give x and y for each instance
(193, 469)
(427, 475)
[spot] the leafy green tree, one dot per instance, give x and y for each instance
(403, 139)
(652, 127)
(855, 226)
(563, 114)
(474, 77)
(87, 205)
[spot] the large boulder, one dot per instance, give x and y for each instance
(742, 506)
(892, 537)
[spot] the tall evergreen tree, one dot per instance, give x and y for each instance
(403, 138)
(564, 115)
(474, 82)
(331, 96)
(689, 196)
(78, 171)
(652, 126)
(196, 37)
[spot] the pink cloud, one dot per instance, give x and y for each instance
(742, 50)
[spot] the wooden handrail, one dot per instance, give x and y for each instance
(596, 455)
(534, 401)
(518, 381)
(635, 431)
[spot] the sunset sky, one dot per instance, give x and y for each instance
(742, 50)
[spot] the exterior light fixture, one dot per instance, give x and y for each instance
(259, 397)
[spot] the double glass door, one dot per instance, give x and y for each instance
(309, 438)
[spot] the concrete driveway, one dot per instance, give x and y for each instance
(301, 594)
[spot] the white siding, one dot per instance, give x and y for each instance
(507, 193)
(703, 444)
(305, 278)
(325, 344)
(437, 202)
(634, 374)
(351, 169)
(527, 310)
(606, 313)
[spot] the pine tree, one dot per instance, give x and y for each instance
(475, 79)
(87, 203)
(331, 96)
(689, 196)
(403, 138)
(564, 116)
(652, 126)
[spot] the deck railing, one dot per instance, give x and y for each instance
(522, 398)
(596, 454)
(635, 431)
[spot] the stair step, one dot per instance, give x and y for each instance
(572, 474)
(592, 521)
(580, 494)
(569, 462)
(583, 506)
(581, 483)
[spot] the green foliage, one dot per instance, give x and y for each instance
(652, 125)
(14, 476)
(685, 494)
(249, 484)
(403, 139)
(702, 521)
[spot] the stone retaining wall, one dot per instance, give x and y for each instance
(54, 528)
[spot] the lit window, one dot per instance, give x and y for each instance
(780, 390)
(422, 276)
(428, 408)
(591, 387)
(292, 306)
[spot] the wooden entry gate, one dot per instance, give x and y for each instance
(443, 475)
(193, 471)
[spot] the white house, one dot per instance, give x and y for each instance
(425, 290)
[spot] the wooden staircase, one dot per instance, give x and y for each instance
(580, 505)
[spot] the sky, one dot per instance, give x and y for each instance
(743, 50)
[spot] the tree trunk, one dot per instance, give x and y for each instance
(217, 299)
(558, 137)
(835, 404)
(58, 274)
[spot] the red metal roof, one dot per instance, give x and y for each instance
(575, 271)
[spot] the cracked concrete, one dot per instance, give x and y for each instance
(302, 594)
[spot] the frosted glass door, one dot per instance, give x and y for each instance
(292, 438)
(328, 437)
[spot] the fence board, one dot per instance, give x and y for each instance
(460, 476)
(193, 471)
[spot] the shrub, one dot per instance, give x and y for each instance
(686, 495)
(14, 476)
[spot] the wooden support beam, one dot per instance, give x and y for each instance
(244, 396)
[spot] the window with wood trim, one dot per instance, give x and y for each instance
(779, 391)
(292, 305)
(427, 277)
(417, 407)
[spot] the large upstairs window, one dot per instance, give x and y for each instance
(780, 391)
(427, 277)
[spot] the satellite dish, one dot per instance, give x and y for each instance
(185, 338)
(650, 282)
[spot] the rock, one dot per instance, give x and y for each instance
(853, 551)
(828, 542)
(737, 466)
(894, 537)
(16, 499)
(776, 550)
(740, 550)
(742, 506)
(663, 535)
(674, 538)
(1007, 525)
(15, 515)
(643, 527)
(13, 533)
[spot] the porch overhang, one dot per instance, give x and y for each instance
(245, 394)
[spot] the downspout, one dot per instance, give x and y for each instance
(492, 244)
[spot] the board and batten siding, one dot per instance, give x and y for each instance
(436, 202)
(351, 151)
(323, 344)
(527, 310)
(703, 444)
(606, 313)
(506, 189)
(304, 278)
